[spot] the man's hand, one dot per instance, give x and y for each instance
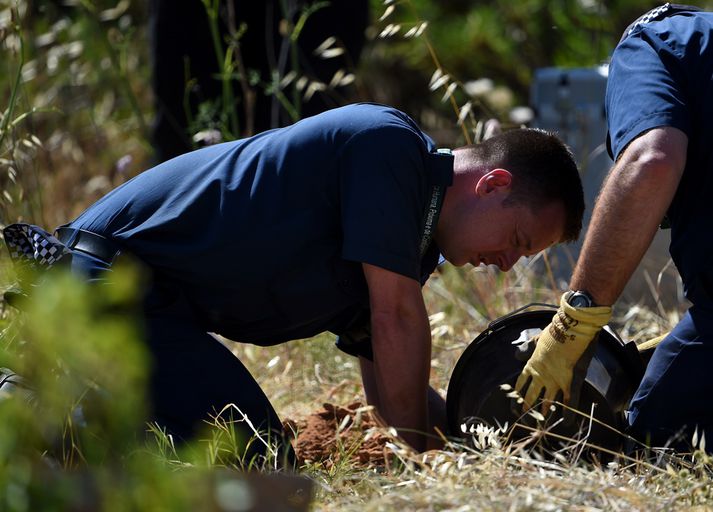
(560, 360)
(437, 417)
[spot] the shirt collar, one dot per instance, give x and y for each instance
(440, 164)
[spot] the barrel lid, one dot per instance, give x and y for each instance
(497, 357)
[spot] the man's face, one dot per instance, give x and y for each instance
(486, 231)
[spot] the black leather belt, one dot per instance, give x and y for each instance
(85, 241)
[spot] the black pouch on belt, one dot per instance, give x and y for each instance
(355, 340)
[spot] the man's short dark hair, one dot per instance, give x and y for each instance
(543, 169)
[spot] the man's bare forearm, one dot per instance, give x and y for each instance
(402, 383)
(401, 343)
(633, 201)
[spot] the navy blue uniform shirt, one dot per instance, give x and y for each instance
(662, 75)
(265, 236)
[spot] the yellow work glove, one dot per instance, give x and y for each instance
(560, 359)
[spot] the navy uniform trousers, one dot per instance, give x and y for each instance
(674, 398)
(193, 374)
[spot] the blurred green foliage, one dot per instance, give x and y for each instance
(76, 100)
(504, 42)
(82, 404)
(72, 435)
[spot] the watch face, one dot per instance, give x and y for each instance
(580, 300)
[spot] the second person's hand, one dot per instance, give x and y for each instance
(562, 354)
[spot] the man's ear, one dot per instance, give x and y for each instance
(497, 180)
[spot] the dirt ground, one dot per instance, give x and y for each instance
(334, 432)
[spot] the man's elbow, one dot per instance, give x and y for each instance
(657, 163)
(659, 154)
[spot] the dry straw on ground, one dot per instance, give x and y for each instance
(461, 478)
(298, 377)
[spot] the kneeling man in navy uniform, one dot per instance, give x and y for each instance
(331, 224)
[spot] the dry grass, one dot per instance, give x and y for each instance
(299, 376)
(464, 480)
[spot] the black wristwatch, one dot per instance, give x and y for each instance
(580, 299)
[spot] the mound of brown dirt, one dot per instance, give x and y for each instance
(334, 432)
